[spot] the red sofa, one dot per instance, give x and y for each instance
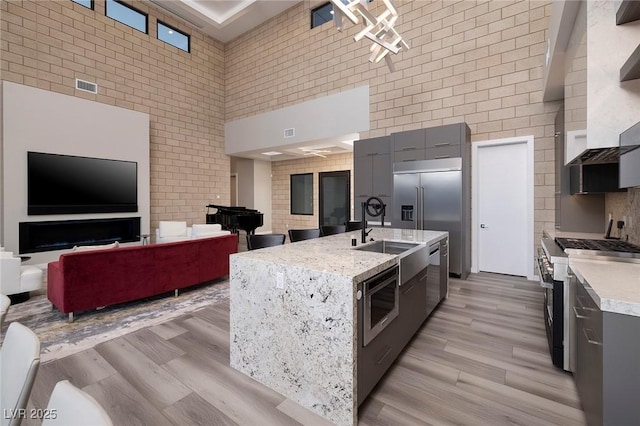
(89, 279)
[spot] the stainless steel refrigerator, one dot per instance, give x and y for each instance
(432, 195)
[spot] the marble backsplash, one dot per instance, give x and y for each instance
(625, 204)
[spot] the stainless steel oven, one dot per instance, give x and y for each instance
(380, 296)
(553, 306)
(552, 264)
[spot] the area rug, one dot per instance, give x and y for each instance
(59, 338)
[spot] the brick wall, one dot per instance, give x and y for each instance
(475, 62)
(48, 44)
(478, 62)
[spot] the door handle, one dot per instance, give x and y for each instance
(483, 226)
(417, 206)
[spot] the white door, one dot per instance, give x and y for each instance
(502, 209)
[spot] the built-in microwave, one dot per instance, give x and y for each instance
(630, 157)
(380, 300)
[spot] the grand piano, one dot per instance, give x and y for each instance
(235, 218)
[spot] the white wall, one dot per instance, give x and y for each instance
(612, 105)
(244, 169)
(330, 116)
(254, 188)
(262, 193)
(43, 121)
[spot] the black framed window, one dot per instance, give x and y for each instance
(302, 194)
(334, 195)
(321, 14)
(173, 36)
(127, 15)
(85, 3)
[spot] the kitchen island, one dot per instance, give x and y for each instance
(294, 321)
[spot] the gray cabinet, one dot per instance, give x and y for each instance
(607, 364)
(429, 144)
(409, 146)
(413, 305)
(588, 374)
(373, 172)
(375, 359)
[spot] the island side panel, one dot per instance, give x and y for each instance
(294, 330)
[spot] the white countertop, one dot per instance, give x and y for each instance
(335, 255)
(554, 233)
(615, 286)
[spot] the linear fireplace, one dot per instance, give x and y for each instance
(38, 237)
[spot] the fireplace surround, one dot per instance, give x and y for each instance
(35, 237)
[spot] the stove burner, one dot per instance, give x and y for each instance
(597, 245)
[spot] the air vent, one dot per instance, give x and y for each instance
(86, 86)
(289, 133)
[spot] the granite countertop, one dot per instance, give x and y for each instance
(335, 255)
(615, 286)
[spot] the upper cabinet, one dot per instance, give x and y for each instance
(629, 11)
(373, 174)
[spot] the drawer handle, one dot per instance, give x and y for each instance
(575, 312)
(384, 355)
(443, 144)
(382, 195)
(587, 332)
(441, 156)
(408, 148)
(404, 161)
(582, 305)
(407, 290)
(371, 154)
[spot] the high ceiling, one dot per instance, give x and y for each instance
(224, 20)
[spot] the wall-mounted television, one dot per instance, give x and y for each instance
(67, 184)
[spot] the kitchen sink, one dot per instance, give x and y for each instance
(388, 247)
(414, 257)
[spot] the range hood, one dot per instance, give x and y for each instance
(594, 178)
(578, 150)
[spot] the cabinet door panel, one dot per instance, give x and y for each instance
(409, 155)
(412, 139)
(362, 176)
(373, 146)
(382, 176)
(413, 306)
(451, 151)
(443, 136)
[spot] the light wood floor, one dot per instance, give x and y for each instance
(481, 359)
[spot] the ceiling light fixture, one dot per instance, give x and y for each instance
(378, 29)
(271, 153)
(316, 152)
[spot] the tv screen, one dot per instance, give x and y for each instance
(66, 184)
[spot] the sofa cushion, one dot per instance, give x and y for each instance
(172, 229)
(115, 244)
(202, 230)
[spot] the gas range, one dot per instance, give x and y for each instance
(610, 246)
(553, 265)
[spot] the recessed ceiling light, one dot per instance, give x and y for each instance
(270, 153)
(170, 31)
